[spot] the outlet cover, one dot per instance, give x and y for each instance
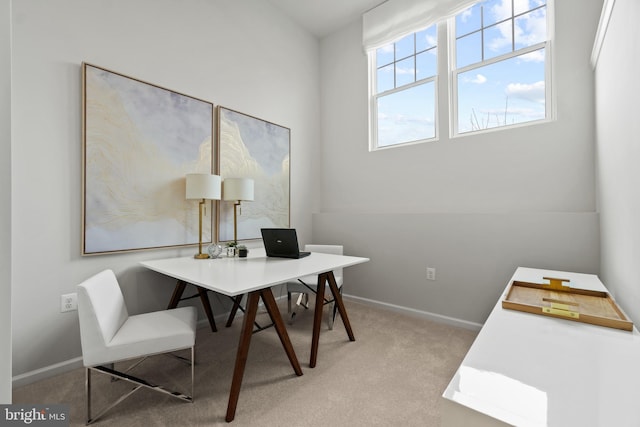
(68, 302)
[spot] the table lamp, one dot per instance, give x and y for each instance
(237, 190)
(202, 186)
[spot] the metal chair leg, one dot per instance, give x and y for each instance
(193, 370)
(87, 390)
(138, 382)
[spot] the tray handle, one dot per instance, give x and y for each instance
(555, 283)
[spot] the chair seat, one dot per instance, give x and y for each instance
(312, 281)
(147, 334)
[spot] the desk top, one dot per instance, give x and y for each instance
(237, 276)
(531, 370)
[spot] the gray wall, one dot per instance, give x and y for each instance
(473, 207)
(245, 55)
(618, 142)
(5, 201)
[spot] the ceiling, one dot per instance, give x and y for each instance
(322, 18)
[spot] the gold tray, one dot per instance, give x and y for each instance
(559, 300)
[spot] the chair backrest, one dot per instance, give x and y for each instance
(327, 249)
(101, 311)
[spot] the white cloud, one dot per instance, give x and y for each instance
(400, 70)
(531, 28)
(532, 92)
(465, 14)
(387, 48)
(497, 44)
(501, 11)
(480, 79)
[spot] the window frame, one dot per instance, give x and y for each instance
(374, 95)
(547, 45)
(445, 81)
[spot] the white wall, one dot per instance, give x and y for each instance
(243, 55)
(441, 203)
(618, 127)
(5, 201)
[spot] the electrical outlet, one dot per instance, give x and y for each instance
(431, 273)
(68, 302)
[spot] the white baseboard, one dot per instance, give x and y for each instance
(75, 363)
(47, 372)
(417, 313)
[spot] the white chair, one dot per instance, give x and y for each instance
(109, 335)
(307, 284)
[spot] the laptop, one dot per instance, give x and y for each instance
(282, 243)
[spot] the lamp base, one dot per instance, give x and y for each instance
(201, 256)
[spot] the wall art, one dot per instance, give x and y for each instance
(139, 142)
(249, 147)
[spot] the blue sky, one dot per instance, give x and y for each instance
(506, 92)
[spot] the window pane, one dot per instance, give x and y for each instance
(384, 55)
(468, 50)
(468, 21)
(497, 40)
(405, 72)
(531, 28)
(406, 116)
(426, 64)
(404, 47)
(426, 39)
(385, 78)
(495, 11)
(508, 92)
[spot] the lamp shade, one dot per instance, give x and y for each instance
(237, 189)
(203, 186)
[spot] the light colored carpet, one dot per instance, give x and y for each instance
(393, 374)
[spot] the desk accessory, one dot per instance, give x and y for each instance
(557, 299)
(214, 250)
(202, 186)
(237, 190)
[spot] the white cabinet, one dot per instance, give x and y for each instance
(530, 370)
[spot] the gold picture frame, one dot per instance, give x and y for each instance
(139, 142)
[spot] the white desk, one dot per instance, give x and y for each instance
(255, 275)
(531, 370)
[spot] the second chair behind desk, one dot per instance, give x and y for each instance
(309, 284)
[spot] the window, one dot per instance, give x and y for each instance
(500, 65)
(404, 99)
(498, 54)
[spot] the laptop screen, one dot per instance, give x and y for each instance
(281, 242)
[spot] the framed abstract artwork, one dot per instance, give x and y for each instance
(249, 147)
(139, 142)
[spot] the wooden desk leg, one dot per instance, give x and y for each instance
(323, 278)
(337, 296)
(243, 351)
(245, 340)
(177, 294)
(204, 298)
(232, 314)
(317, 319)
(276, 318)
